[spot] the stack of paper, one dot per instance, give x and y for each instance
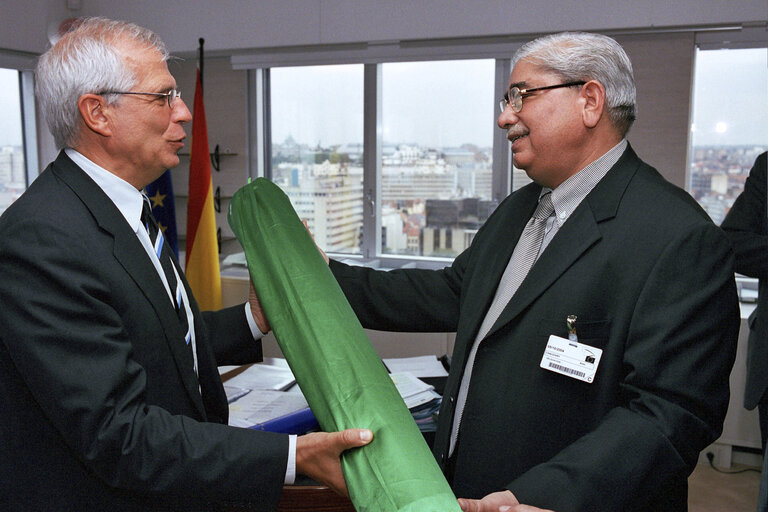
(263, 396)
(420, 398)
(258, 396)
(420, 366)
(415, 392)
(261, 406)
(263, 376)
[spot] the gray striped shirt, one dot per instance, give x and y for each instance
(572, 191)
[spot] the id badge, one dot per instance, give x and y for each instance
(570, 358)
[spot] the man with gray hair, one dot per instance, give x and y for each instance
(111, 398)
(595, 312)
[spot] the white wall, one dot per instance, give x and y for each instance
(225, 111)
(24, 27)
(230, 25)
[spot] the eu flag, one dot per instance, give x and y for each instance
(160, 193)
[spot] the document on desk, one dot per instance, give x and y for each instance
(262, 405)
(264, 376)
(415, 392)
(420, 366)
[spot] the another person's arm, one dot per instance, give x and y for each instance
(747, 223)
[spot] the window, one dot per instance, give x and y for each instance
(13, 179)
(317, 149)
(419, 129)
(433, 180)
(404, 133)
(729, 124)
(437, 153)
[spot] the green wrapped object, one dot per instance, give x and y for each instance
(335, 365)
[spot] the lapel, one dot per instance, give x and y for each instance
(129, 252)
(493, 259)
(579, 233)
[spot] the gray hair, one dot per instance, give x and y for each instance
(576, 56)
(87, 60)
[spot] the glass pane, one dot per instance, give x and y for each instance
(12, 169)
(317, 149)
(438, 123)
(730, 124)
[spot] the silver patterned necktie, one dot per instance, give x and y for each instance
(523, 257)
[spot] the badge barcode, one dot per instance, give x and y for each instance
(567, 370)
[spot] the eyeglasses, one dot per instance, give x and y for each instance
(170, 95)
(514, 97)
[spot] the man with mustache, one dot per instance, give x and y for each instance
(595, 312)
(111, 398)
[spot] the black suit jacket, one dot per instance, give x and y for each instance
(101, 409)
(747, 226)
(651, 280)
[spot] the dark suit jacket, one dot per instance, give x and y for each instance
(100, 405)
(747, 226)
(651, 280)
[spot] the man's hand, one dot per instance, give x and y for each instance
(490, 503)
(503, 501)
(322, 252)
(253, 299)
(257, 311)
(318, 455)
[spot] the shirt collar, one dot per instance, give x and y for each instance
(570, 193)
(125, 196)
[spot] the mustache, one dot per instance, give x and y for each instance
(515, 132)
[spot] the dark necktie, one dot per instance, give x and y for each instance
(163, 253)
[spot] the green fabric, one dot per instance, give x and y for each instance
(335, 365)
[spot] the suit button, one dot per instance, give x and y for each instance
(451, 399)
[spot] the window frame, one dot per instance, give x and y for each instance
(28, 116)
(745, 38)
(372, 56)
(29, 124)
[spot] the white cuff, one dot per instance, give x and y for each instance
(255, 331)
(290, 468)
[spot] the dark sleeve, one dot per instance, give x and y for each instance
(673, 395)
(747, 223)
(409, 300)
(231, 336)
(73, 352)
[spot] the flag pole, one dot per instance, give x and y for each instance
(200, 61)
(202, 256)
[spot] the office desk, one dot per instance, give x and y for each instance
(301, 498)
(305, 498)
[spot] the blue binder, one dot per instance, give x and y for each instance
(299, 422)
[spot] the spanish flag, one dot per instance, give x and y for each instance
(202, 258)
